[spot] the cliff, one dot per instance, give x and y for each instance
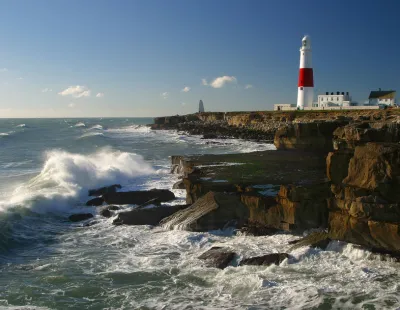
(339, 171)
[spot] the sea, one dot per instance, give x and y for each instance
(47, 167)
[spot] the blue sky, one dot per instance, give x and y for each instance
(135, 58)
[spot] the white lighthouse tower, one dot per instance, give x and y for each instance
(305, 94)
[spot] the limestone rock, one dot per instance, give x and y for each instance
(210, 212)
(146, 216)
(217, 257)
(265, 260)
(316, 136)
(155, 196)
(318, 239)
(337, 165)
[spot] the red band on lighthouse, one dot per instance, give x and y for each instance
(306, 78)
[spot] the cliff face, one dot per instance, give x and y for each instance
(342, 174)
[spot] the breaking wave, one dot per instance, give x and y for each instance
(66, 177)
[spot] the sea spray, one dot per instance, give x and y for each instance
(66, 177)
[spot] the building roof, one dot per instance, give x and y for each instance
(387, 94)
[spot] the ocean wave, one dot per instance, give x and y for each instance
(131, 129)
(21, 125)
(91, 135)
(80, 124)
(96, 127)
(66, 177)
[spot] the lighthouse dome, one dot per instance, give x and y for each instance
(306, 41)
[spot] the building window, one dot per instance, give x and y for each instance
(301, 88)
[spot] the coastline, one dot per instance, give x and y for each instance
(327, 172)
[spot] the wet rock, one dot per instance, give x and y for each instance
(146, 216)
(265, 260)
(212, 211)
(209, 136)
(106, 213)
(95, 202)
(155, 196)
(104, 190)
(315, 240)
(91, 223)
(217, 257)
(113, 208)
(179, 185)
(80, 217)
(255, 229)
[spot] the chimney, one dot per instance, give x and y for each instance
(343, 93)
(327, 93)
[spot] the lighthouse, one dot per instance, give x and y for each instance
(305, 93)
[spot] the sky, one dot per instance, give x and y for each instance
(144, 58)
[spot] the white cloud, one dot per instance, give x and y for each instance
(204, 82)
(20, 78)
(76, 91)
(248, 86)
(3, 70)
(165, 95)
(72, 105)
(46, 90)
(219, 82)
(100, 95)
(185, 89)
(183, 104)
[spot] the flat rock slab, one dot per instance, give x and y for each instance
(139, 197)
(146, 216)
(210, 212)
(218, 257)
(315, 240)
(265, 260)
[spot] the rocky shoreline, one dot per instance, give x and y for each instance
(334, 172)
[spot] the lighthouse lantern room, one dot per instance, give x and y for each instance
(305, 93)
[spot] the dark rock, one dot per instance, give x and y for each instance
(218, 257)
(106, 213)
(155, 196)
(210, 136)
(179, 185)
(265, 260)
(80, 217)
(91, 223)
(146, 216)
(255, 229)
(212, 211)
(113, 208)
(104, 190)
(95, 202)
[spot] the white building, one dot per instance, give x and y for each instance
(338, 99)
(382, 97)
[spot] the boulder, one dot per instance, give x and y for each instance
(106, 212)
(155, 196)
(217, 257)
(210, 212)
(104, 190)
(265, 260)
(146, 216)
(255, 229)
(113, 208)
(80, 217)
(95, 202)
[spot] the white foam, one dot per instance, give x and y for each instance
(80, 124)
(96, 127)
(65, 178)
(21, 125)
